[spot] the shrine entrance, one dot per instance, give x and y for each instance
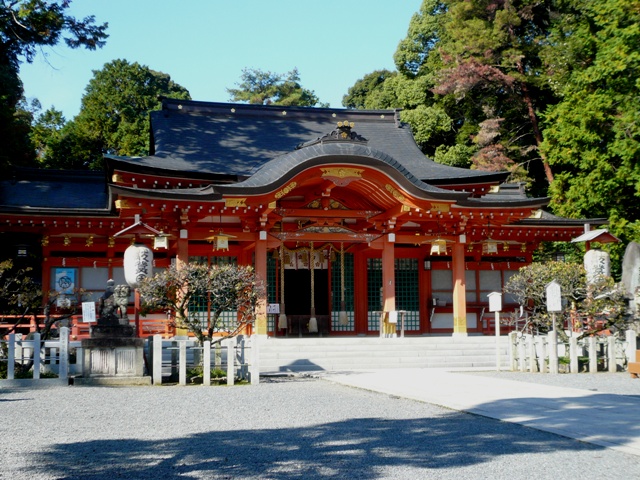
(297, 294)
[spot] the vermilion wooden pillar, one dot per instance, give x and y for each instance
(388, 285)
(261, 272)
(182, 250)
(459, 290)
(361, 304)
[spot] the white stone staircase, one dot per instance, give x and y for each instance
(282, 355)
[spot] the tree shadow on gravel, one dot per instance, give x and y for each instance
(357, 448)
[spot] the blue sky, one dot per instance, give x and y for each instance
(205, 44)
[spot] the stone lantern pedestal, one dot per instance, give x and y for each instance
(113, 355)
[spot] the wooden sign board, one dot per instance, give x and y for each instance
(273, 308)
(495, 302)
(88, 312)
(554, 297)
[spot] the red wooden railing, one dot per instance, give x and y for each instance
(154, 324)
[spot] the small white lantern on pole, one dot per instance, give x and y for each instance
(554, 304)
(495, 305)
(554, 300)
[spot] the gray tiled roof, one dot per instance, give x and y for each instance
(46, 190)
(286, 166)
(236, 139)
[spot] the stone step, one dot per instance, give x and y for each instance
(355, 353)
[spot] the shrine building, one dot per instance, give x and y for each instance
(341, 214)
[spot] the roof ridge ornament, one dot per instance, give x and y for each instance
(343, 133)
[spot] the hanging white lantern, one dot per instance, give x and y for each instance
(138, 264)
(161, 241)
(490, 246)
(438, 246)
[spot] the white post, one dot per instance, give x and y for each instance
(182, 363)
(63, 369)
(495, 305)
(217, 361)
(206, 363)
(630, 336)
(497, 321)
(533, 367)
(543, 355)
(231, 356)
(513, 339)
(573, 354)
(11, 360)
(243, 361)
(522, 354)
(611, 341)
(553, 351)
(254, 369)
(36, 356)
(157, 360)
(593, 355)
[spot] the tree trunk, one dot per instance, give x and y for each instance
(533, 118)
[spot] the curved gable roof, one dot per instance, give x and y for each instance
(278, 171)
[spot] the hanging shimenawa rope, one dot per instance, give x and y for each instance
(313, 322)
(343, 319)
(282, 319)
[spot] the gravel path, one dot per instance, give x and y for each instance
(295, 428)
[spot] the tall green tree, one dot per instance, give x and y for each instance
(373, 91)
(25, 27)
(592, 136)
(268, 88)
(46, 130)
(114, 115)
(470, 83)
(491, 67)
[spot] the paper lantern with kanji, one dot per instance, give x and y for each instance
(138, 264)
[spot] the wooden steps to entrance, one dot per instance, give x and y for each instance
(282, 355)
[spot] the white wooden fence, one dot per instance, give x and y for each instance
(542, 353)
(238, 355)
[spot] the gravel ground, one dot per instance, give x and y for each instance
(284, 428)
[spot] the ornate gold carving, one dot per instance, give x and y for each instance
(330, 204)
(286, 190)
(120, 204)
(341, 172)
(440, 207)
(396, 194)
(235, 202)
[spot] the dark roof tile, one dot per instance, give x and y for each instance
(201, 138)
